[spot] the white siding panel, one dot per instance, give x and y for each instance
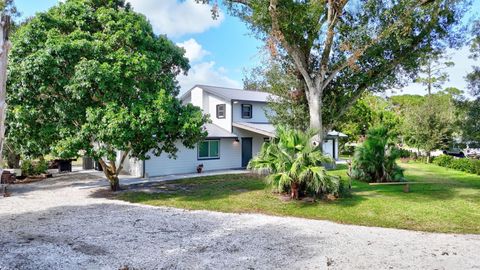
(257, 139)
(212, 102)
(186, 162)
(197, 97)
(258, 112)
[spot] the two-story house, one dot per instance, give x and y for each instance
(238, 128)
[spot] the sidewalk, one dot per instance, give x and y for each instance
(131, 181)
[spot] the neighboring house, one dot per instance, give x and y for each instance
(238, 128)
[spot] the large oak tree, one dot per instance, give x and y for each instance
(342, 48)
(90, 76)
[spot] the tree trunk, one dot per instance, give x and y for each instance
(4, 48)
(114, 183)
(294, 190)
(428, 157)
(315, 112)
(111, 174)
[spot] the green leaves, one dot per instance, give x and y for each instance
(291, 159)
(374, 160)
(91, 76)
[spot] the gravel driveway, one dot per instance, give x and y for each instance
(58, 224)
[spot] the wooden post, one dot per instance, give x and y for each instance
(4, 48)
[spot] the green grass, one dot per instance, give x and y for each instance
(450, 205)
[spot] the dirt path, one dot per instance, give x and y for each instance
(58, 225)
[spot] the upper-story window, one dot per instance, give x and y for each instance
(221, 111)
(246, 110)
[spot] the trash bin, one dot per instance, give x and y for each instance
(87, 163)
(98, 166)
(64, 165)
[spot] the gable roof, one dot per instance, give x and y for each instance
(232, 93)
(215, 131)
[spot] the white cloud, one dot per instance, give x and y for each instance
(176, 18)
(203, 72)
(194, 51)
(206, 73)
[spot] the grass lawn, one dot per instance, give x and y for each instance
(452, 205)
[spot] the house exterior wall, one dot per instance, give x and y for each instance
(257, 139)
(196, 97)
(258, 112)
(210, 106)
(187, 161)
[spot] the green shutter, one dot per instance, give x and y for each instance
(203, 149)
(214, 148)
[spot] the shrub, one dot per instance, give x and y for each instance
(403, 153)
(41, 166)
(294, 164)
(29, 168)
(348, 150)
(443, 160)
(374, 160)
(460, 164)
(476, 166)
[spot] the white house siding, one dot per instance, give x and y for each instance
(187, 161)
(210, 106)
(257, 139)
(258, 112)
(196, 97)
(187, 99)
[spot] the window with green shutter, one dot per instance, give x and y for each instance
(209, 149)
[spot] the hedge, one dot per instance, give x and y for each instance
(460, 164)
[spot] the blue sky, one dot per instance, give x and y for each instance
(220, 50)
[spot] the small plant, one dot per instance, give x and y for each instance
(27, 167)
(30, 168)
(374, 160)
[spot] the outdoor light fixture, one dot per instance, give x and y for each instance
(237, 140)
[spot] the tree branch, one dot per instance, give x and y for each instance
(120, 167)
(332, 17)
(299, 59)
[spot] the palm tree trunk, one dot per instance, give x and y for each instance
(294, 190)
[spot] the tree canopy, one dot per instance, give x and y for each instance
(341, 49)
(91, 77)
(430, 125)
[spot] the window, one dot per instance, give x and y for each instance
(209, 149)
(221, 111)
(246, 110)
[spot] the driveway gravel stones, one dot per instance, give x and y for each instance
(60, 223)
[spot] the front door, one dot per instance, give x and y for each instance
(246, 151)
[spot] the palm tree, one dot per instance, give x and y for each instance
(292, 162)
(375, 159)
